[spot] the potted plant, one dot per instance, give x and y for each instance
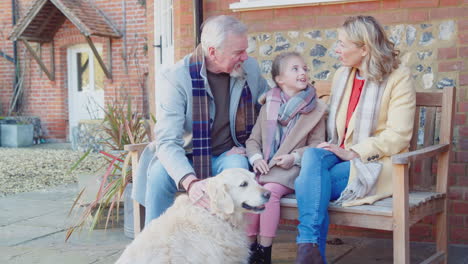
(121, 126)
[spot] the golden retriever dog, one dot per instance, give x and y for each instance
(188, 233)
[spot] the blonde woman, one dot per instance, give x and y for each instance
(371, 118)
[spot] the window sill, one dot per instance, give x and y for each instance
(246, 5)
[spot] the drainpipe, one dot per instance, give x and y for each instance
(15, 49)
(197, 19)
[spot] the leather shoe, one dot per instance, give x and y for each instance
(308, 253)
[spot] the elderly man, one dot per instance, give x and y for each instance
(205, 112)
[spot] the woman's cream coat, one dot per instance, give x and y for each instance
(393, 132)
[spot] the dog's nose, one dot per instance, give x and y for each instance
(266, 195)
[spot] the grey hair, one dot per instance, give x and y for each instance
(279, 63)
(383, 58)
(216, 29)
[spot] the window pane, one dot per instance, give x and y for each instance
(98, 76)
(82, 60)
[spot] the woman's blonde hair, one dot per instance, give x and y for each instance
(382, 56)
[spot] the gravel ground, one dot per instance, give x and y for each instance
(41, 166)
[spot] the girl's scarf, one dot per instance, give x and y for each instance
(367, 113)
(282, 113)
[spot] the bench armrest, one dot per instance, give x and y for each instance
(427, 152)
(136, 147)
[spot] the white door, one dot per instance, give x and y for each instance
(85, 85)
(163, 34)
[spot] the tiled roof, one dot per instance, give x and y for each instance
(45, 17)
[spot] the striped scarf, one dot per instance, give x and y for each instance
(367, 113)
(245, 117)
(282, 114)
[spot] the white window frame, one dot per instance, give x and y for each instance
(247, 5)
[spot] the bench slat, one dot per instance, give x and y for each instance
(382, 207)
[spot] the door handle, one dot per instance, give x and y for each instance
(160, 49)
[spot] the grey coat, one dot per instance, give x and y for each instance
(173, 130)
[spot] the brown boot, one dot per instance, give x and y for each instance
(308, 253)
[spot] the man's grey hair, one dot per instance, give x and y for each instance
(216, 29)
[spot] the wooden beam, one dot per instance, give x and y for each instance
(107, 71)
(50, 75)
(109, 55)
(46, 21)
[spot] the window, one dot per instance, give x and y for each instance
(245, 5)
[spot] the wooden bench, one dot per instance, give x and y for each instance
(408, 205)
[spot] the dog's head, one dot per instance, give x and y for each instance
(235, 190)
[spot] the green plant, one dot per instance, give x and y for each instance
(121, 126)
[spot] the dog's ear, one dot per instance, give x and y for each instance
(220, 200)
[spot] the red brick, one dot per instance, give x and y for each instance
(462, 181)
(418, 15)
(462, 24)
(257, 15)
(448, 12)
(460, 207)
(306, 11)
(390, 4)
(447, 53)
(456, 193)
(419, 3)
(463, 79)
(330, 21)
(463, 37)
(361, 7)
(463, 106)
(463, 52)
(459, 234)
(462, 156)
(451, 66)
(332, 9)
(463, 144)
(449, 2)
(392, 17)
(457, 169)
(457, 220)
(460, 119)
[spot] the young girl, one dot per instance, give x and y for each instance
(291, 120)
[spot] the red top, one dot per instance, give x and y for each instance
(353, 101)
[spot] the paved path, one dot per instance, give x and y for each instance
(33, 227)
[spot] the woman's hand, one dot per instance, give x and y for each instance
(285, 161)
(341, 153)
(261, 166)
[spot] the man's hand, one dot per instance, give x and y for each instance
(261, 166)
(196, 190)
(341, 153)
(285, 161)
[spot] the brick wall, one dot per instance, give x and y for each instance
(435, 60)
(49, 99)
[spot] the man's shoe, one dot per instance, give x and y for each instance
(308, 253)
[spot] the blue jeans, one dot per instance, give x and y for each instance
(161, 188)
(322, 178)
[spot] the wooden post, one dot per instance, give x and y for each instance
(400, 214)
(136, 205)
(446, 131)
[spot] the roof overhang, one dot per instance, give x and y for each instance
(45, 17)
